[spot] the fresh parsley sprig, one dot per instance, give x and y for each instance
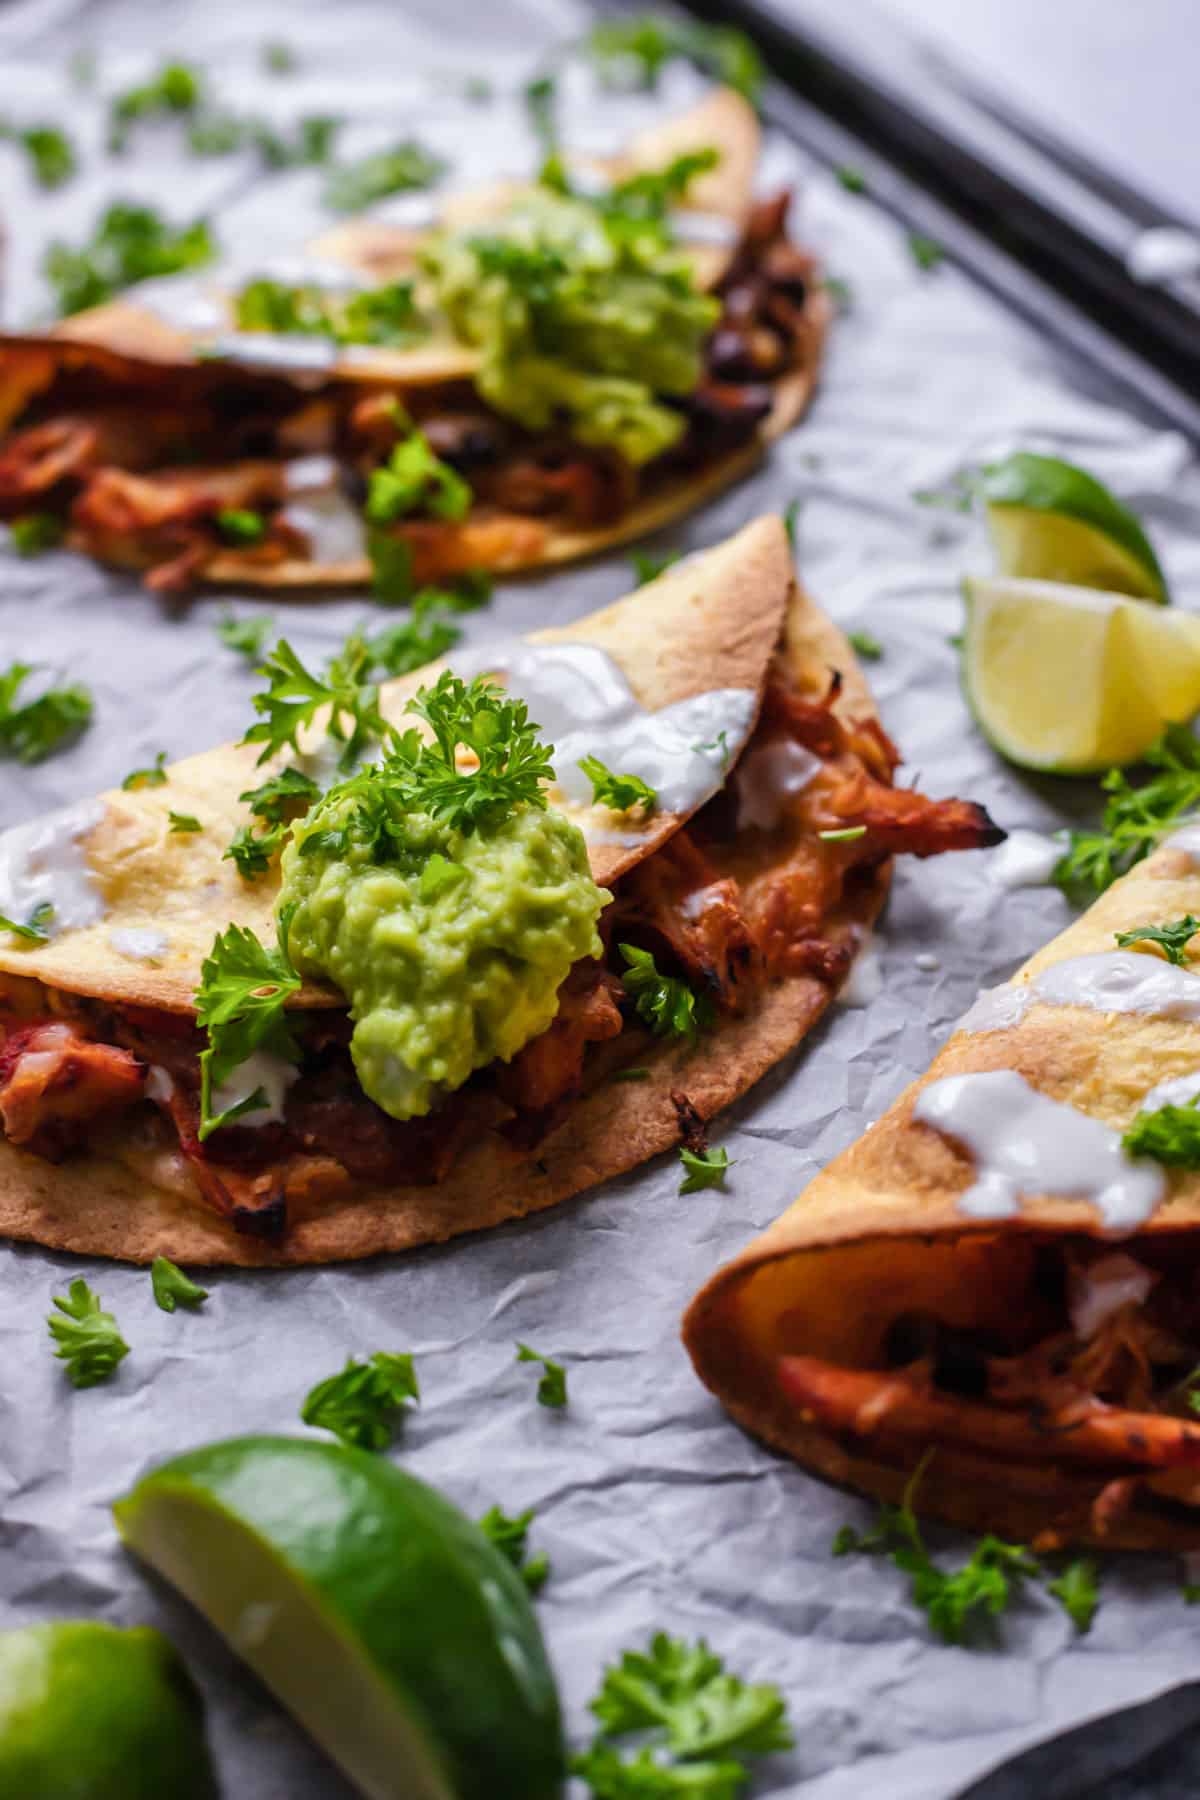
(240, 1003)
(509, 1536)
(1136, 819)
(172, 1288)
(131, 243)
(705, 1724)
(1172, 939)
(414, 480)
(552, 1387)
(481, 719)
(666, 1004)
(1168, 1134)
(88, 1340)
(621, 792)
(248, 635)
(365, 1403)
(294, 696)
(40, 727)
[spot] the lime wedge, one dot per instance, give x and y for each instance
(379, 1615)
(91, 1712)
(1071, 681)
(1050, 521)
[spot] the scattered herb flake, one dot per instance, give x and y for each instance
(34, 930)
(649, 565)
(847, 834)
(183, 823)
(621, 792)
(406, 168)
(36, 533)
(248, 636)
(1172, 939)
(635, 51)
(131, 243)
(666, 1004)
(238, 525)
(278, 58)
(509, 1536)
(1078, 1590)
(172, 1287)
(154, 776)
(240, 1003)
(1135, 818)
(864, 645)
(364, 1404)
(791, 521)
(43, 726)
(88, 1340)
(703, 1169)
(926, 252)
(552, 1387)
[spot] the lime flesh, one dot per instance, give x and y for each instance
(91, 1712)
(1050, 521)
(379, 1615)
(1071, 681)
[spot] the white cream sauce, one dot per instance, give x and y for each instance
(275, 350)
(334, 528)
(140, 943)
(585, 707)
(1108, 981)
(1024, 1143)
(46, 860)
(261, 1070)
(864, 984)
(159, 1084)
(1163, 253)
(1024, 859)
(1095, 1293)
(1177, 1090)
(767, 778)
(1187, 839)
(310, 474)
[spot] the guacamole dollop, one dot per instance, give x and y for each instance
(576, 313)
(451, 949)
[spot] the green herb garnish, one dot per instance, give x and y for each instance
(177, 88)
(1171, 939)
(43, 726)
(183, 823)
(648, 566)
(846, 834)
(851, 178)
(172, 1287)
(88, 1340)
(50, 151)
(238, 525)
(926, 252)
(364, 1404)
(247, 636)
(1135, 818)
(864, 645)
(154, 776)
(791, 521)
(618, 791)
(705, 1722)
(541, 104)
(637, 49)
(1169, 1135)
(405, 168)
(35, 929)
(240, 1003)
(278, 58)
(1078, 1590)
(414, 480)
(552, 1387)
(703, 1169)
(667, 1005)
(294, 696)
(131, 243)
(36, 533)
(509, 1536)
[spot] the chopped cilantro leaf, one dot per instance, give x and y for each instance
(847, 834)
(383, 315)
(791, 521)
(719, 745)
(248, 635)
(1135, 818)
(177, 88)
(1171, 939)
(278, 58)
(51, 153)
(253, 852)
(312, 144)
(864, 645)
(294, 697)
(552, 1387)
(35, 533)
(240, 1003)
(926, 252)
(851, 178)
(703, 1169)
(282, 796)
(40, 727)
(363, 1405)
(637, 49)
(667, 1005)
(172, 1287)
(182, 823)
(839, 291)
(618, 791)
(1078, 1590)
(391, 568)
(238, 525)
(88, 1340)
(154, 776)
(414, 480)
(509, 1536)
(951, 1601)
(405, 168)
(34, 930)
(131, 243)
(1169, 1135)
(648, 566)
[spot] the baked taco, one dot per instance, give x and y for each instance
(529, 998)
(1000, 1271)
(535, 373)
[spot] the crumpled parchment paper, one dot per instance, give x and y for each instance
(654, 1509)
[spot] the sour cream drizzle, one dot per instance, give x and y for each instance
(1024, 859)
(46, 860)
(262, 1071)
(1109, 981)
(140, 943)
(1023, 1143)
(585, 707)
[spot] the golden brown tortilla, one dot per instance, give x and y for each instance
(732, 600)
(878, 1234)
(129, 337)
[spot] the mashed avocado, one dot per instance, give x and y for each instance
(577, 312)
(450, 948)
